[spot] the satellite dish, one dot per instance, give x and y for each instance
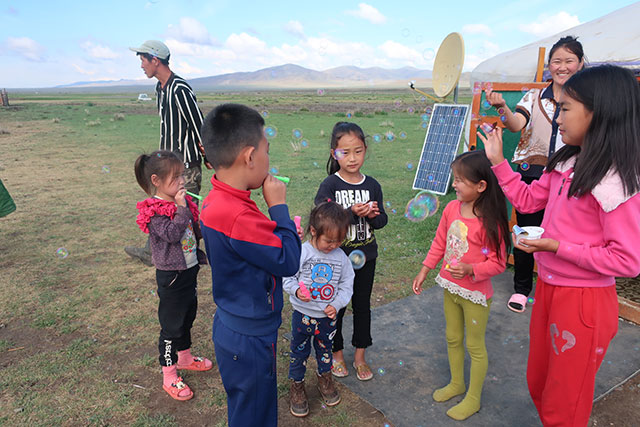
(447, 66)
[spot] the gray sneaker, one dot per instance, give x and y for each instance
(141, 253)
(328, 389)
(298, 403)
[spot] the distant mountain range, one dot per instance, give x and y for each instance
(290, 76)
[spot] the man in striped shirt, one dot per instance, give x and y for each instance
(180, 121)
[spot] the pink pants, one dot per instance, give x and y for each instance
(569, 334)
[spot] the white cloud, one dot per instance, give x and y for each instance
(81, 70)
(369, 13)
(98, 51)
(479, 54)
(477, 29)
(547, 25)
(190, 30)
(185, 69)
(394, 50)
(295, 28)
(26, 47)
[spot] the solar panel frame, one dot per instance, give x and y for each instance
(440, 147)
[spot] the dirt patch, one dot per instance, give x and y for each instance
(621, 407)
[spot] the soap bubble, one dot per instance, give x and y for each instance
(297, 133)
(62, 253)
(428, 54)
(488, 86)
(349, 115)
(525, 90)
(425, 204)
(270, 132)
(402, 135)
(500, 110)
(477, 88)
(390, 136)
(430, 178)
(381, 371)
(599, 350)
(106, 169)
(425, 117)
(264, 113)
(428, 110)
(405, 32)
(320, 92)
(410, 166)
(377, 137)
(304, 143)
(485, 251)
(411, 110)
(503, 118)
(424, 125)
(400, 363)
(273, 171)
(524, 166)
(531, 300)
(357, 259)
(456, 111)
(338, 154)
(394, 211)
(387, 204)
(486, 104)
(397, 102)
(315, 164)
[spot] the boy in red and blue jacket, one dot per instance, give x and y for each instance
(249, 254)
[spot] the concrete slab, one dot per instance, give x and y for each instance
(409, 359)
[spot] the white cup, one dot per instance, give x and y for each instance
(530, 233)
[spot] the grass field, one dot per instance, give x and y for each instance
(78, 323)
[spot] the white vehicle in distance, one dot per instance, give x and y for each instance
(144, 97)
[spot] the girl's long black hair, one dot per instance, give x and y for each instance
(612, 141)
(339, 130)
(491, 206)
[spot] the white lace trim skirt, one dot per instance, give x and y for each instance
(476, 297)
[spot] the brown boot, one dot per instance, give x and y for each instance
(327, 389)
(298, 404)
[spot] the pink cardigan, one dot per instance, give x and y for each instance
(599, 233)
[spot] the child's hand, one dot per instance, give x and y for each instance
(361, 209)
(375, 210)
(274, 191)
(330, 311)
(495, 98)
(460, 270)
(536, 245)
(493, 145)
(419, 279)
(302, 297)
(180, 197)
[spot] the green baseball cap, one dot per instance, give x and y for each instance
(153, 47)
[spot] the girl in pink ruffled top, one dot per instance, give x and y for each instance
(472, 240)
(171, 219)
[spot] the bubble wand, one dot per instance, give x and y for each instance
(195, 196)
(284, 179)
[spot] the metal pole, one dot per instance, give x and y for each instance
(455, 95)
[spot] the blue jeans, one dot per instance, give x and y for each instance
(304, 329)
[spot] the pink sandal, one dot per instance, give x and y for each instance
(176, 388)
(517, 303)
(198, 364)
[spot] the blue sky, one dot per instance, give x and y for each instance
(48, 43)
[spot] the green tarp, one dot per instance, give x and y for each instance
(6, 202)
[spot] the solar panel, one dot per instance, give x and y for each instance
(440, 147)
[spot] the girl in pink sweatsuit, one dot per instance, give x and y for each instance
(591, 234)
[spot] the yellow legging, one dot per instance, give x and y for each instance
(461, 314)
